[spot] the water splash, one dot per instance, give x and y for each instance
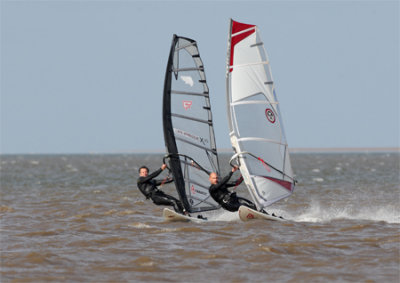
(320, 212)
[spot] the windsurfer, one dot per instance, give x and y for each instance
(148, 186)
(220, 193)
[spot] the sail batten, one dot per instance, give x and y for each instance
(252, 102)
(249, 64)
(255, 122)
(257, 44)
(189, 93)
(242, 31)
(177, 48)
(188, 69)
(261, 140)
(192, 118)
(188, 127)
(197, 145)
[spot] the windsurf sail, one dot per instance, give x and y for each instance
(255, 122)
(188, 126)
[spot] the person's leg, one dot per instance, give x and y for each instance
(232, 204)
(251, 205)
(160, 198)
(246, 202)
(178, 202)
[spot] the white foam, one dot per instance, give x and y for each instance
(322, 213)
(221, 215)
(71, 168)
(139, 225)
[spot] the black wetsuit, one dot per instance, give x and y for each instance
(148, 187)
(229, 200)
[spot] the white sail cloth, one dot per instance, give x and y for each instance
(256, 128)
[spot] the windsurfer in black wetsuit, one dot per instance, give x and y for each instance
(220, 193)
(148, 186)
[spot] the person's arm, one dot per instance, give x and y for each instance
(235, 183)
(161, 182)
(149, 177)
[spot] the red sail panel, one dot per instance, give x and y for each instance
(237, 27)
(287, 185)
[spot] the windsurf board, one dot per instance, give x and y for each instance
(246, 214)
(172, 216)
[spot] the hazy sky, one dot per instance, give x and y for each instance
(87, 76)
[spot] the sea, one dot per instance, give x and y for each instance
(81, 218)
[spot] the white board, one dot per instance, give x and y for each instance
(172, 216)
(247, 214)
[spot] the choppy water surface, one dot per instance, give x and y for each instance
(81, 218)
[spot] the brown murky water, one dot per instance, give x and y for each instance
(80, 218)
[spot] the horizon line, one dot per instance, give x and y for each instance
(228, 150)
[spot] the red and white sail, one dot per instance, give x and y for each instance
(256, 128)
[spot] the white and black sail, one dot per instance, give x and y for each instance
(256, 126)
(188, 126)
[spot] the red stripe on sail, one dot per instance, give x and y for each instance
(287, 185)
(237, 27)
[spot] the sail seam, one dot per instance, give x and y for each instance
(254, 102)
(260, 139)
(250, 64)
(191, 118)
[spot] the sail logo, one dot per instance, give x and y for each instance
(190, 136)
(270, 115)
(187, 80)
(187, 104)
(203, 140)
(194, 191)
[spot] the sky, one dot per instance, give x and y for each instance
(87, 76)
